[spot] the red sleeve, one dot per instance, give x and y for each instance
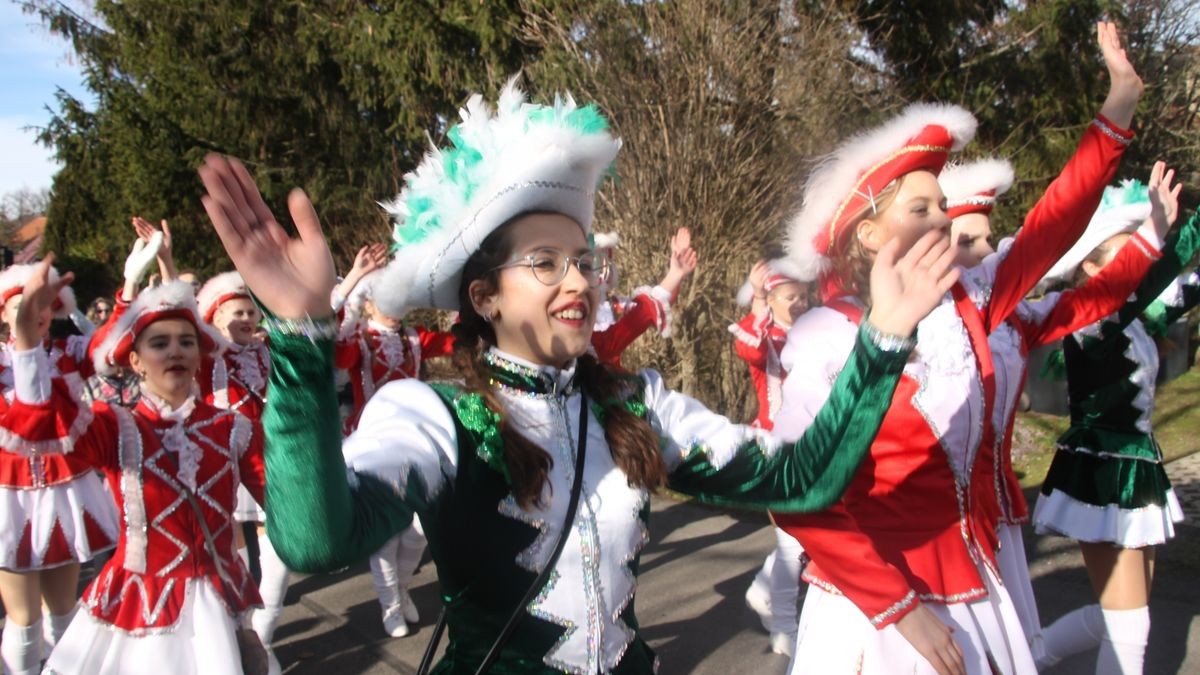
(253, 470)
(1101, 296)
(435, 343)
(847, 558)
(346, 352)
(750, 340)
(1059, 217)
(610, 344)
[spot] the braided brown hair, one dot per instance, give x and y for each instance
(631, 440)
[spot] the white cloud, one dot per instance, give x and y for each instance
(23, 162)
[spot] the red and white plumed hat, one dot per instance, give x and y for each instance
(973, 187)
(782, 272)
(219, 290)
(14, 278)
(846, 181)
(173, 300)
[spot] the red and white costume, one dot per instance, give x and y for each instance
(161, 599)
(236, 379)
(374, 355)
(54, 505)
(758, 340)
(973, 189)
(917, 525)
(621, 320)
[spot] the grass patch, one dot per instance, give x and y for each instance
(1176, 425)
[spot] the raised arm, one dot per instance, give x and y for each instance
(1063, 212)
(368, 259)
(318, 519)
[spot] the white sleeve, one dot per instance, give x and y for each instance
(818, 345)
(685, 424)
(31, 375)
(405, 431)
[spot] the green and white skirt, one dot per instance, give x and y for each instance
(1106, 486)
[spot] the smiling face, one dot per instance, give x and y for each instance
(237, 320)
(545, 324)
(787, 302)
(10, 316)
(166, 355)
(971, 236)
(917, 207)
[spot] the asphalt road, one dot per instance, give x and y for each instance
(694, 572)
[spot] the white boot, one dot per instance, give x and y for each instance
(21, 648)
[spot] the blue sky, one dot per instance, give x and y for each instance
(33, 63)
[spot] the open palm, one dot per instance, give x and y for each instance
(291, 277)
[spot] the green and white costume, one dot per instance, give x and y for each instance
(1107, 482)
(430, 451)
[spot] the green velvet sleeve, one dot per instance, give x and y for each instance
(813, 472)
(315, 520)
(1178, 250)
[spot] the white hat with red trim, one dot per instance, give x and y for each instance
(846, 181)
(974, 186)
(1122, 210)
(14, 278)
(783, 271)
(219, 290)
(172, 300)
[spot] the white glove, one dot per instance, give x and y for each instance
(141, 257)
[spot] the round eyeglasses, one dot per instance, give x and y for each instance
(550, 266)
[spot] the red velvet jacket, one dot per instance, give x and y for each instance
(758, 341)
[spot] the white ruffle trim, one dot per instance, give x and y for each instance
(202, 642)
(63, 506)
(1061, 514)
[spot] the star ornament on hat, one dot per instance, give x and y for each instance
(172, 300)
(974, 186)
(524, 157)
(1122, 210)
(219, 290)
(14, 278)
(845, 183)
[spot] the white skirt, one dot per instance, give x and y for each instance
(202, 642)
(61, 510)
(1151, 525)
(248, 510)
(835, 637)
(1014, 572)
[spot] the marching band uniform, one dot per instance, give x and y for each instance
(917, 524)
(236, 380)
(162, 598)
(54, 505)
(436, 452)
(973, 188)
(758, 340)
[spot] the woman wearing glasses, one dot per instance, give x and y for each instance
(532, 475)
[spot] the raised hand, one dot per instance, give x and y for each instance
(1125, 87)
(1164, 198)
(166, 258)
(368, 259)
(904, 291)
(291, 277)
(37, 298)
(758, 277)
(143, 254)
(933, 640)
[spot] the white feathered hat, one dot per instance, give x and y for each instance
(973, 187)
(173, 300)
(356, 302)
(783, 271)
(1122, 209)
(14, 278)
(219, 290)
(525, 157)
(847, 180)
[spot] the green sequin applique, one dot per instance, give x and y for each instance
(480, 422)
